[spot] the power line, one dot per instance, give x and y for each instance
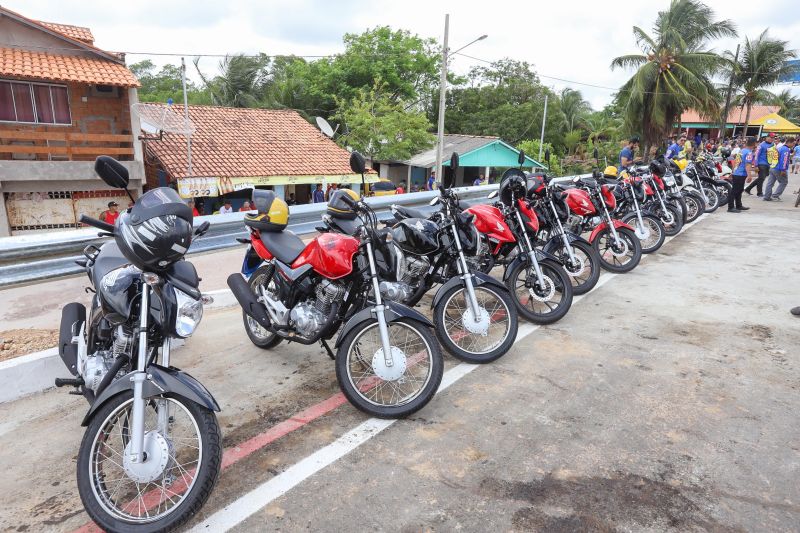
(167, 54)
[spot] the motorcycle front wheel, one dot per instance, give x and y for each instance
(183, 447)
(618, 257)
(653, 230)
(480, 339)
(388, 391)
(695, 206)
(259, 336)
(712, 198)
(540, 304)
(673, 224)
(584, 273)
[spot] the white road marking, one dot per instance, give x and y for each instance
(245, 506)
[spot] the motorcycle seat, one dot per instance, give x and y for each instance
(402, 212)
(285, 245)
(562, 185)
(346, 226)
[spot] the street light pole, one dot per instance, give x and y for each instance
(544, 119)
(442, 91)
(186, 116)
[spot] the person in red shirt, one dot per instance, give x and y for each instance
(110, 215)
(399, 190)
(195, 212)
(245, 207)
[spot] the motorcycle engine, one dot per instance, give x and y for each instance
(573, 223)
(415, 267)
(310, 316)
(96, 366)
(396, 291)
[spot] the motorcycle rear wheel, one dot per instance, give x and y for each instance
(399, 396)
(258, 335)
(536, 306)
(98, 459)
(603, 243)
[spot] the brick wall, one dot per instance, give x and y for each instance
(100, 113)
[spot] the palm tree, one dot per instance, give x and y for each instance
(789, 104)
(239, 82)
(674, 70)
(763, 62)
(574, 107)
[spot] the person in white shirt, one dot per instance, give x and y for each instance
(226, 208)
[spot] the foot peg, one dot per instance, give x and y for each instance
(69, 382)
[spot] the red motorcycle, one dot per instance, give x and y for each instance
(590, 205)
(388, 362)
(541, 288)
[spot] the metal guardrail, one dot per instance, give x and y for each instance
(41, 256)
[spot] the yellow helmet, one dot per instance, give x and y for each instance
(338, 207)
(681, 163)
(610, 171)
(273, 212)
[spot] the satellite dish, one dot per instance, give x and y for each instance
(148, 128)
(325, 127)
(157, 118)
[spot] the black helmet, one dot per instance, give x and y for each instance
(658, 168)
(537, 184)
(156, 231)
(513, 185)
(272, 213)
(338, 206)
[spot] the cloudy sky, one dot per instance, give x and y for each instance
(573, 40)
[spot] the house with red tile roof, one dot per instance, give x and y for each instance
(63, 102)
(695, 122)
(234, 150)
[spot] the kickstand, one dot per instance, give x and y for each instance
(327, 349)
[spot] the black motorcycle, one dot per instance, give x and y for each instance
(152, 449)
(474, 316)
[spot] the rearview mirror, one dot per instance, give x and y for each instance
(112, 172)
(547, 156)
(492, 194)
(454, 162)
(202, 228)
(521, 158)
(434, 200)
(357, 163)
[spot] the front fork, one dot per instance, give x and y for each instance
(466, 276)
(531, 251)
(138, 378)
(611, 225)
(564, 238)
(379, 309)
(638, 210)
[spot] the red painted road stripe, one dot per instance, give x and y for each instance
(233, 455)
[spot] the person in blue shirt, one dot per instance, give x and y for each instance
(318, 196)
(741, 174)
(431, 183)
(674, 148)
(762, 163)
(626, 154)
(780, 172)
(796, 158)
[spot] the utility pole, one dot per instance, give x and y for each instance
(442, 91)
(728, 97)
(186, 116)
(544, 119)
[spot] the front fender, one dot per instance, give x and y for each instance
(603, 225)
(478, 279)
(394, 312)
(555, 242)
(160, 380)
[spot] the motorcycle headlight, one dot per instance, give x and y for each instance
(189, 315)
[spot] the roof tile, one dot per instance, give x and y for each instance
(735, 116)
(80, 69)
(240, 142)
(74, 32)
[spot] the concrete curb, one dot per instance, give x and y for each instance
(36, 372)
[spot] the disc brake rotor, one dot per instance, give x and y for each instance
(479, 325)
(389, 373)
(575, 268)
(543, 294)
(623, 251)
(157, 452)
(642, 232)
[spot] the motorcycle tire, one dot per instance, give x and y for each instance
(355, 394)
(654, 225)
(209, 468)
(444, 313)
(713, 199)
(258, 335)
(695, 206)
(723, 189)
(677, 222)
(633, 246)
(590, 261)
(562, 284)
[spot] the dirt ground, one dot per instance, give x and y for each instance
(16, 342)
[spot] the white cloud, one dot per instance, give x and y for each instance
(574, 40)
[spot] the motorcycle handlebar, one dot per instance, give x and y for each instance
(99, 224)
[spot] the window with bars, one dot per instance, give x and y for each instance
(34, 103)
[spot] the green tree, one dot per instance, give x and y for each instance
(240, 81)
(381, 127)
(789, 104)
(159, 86)
(531, 149)
(674, 70)
(762, 63)
(574, 107)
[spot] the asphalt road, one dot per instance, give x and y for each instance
(666, 400)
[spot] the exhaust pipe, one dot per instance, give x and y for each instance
(248, 300)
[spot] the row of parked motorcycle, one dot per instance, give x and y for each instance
(152, 452)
